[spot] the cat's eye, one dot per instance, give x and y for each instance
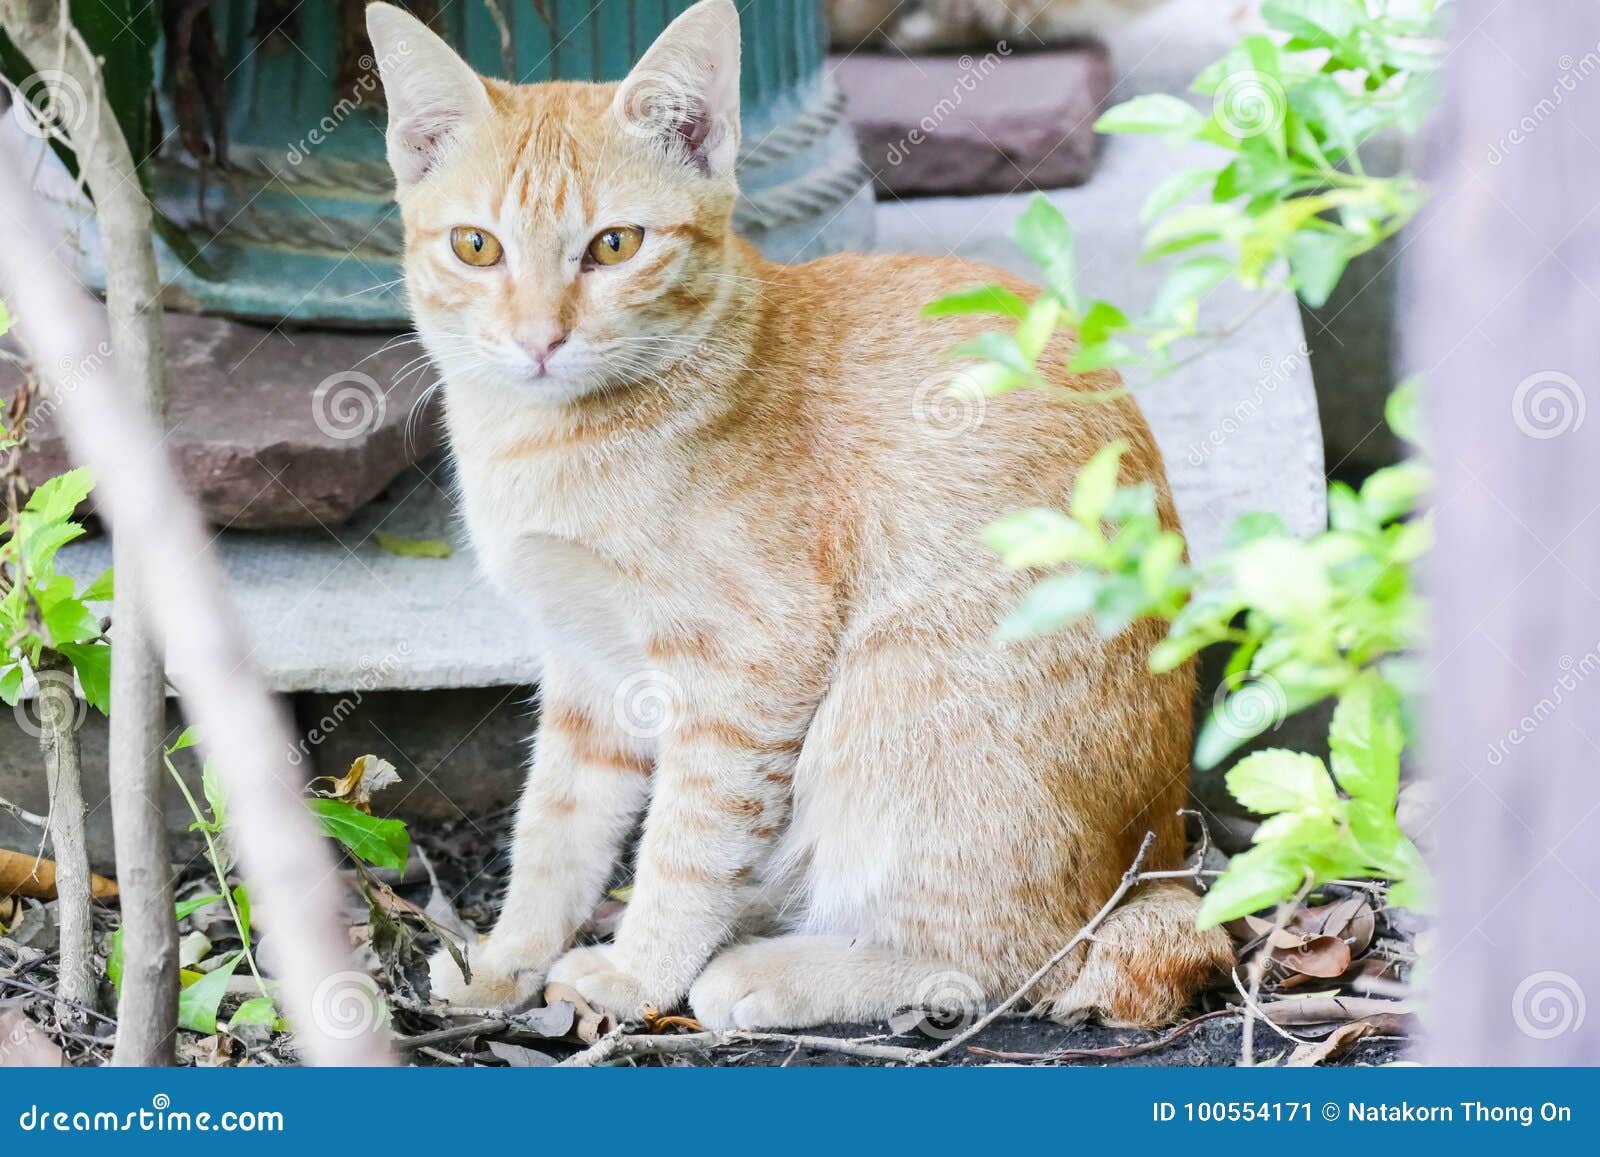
(615, 245)
(476, 246)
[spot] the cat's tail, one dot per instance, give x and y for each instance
(1146, 963)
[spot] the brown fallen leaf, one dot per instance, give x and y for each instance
(1320, 956)
(1329, 1048)
(21, 874)
(592, 1024)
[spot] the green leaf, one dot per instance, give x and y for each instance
(1365, 739)
(57, 498)
(1040, 537)
(189, 738)
(1255, 879)
(70, 621)
(987, 299)
(1096, 483)
(92, 661)
(256, 1010)
(1278, 780)
(198, 1003)
(1282, 577)
(385, 843)
(1403, 412)
(1152, 113)
(1317, 260)
(102, 590)
(1188, 282)
(1055, 602)
(1043, 233)
(1322, 23)
(11, 684)
(1253, 525)
(413, 547)
(216, 794)
(1174, 190)
(995, 347)
(189, 907)
(1102, 320)
(1394, 491)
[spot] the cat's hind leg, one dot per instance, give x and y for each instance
(798, 981)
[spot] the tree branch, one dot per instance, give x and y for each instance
(148, 1006)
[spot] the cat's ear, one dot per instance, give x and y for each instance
(433, 95)
(685, 92)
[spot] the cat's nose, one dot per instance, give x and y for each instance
(540, 343)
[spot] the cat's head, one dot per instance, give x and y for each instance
(563, 238)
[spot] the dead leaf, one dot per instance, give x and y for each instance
(1319, 956)
(1325, 1009)
(208, 1052)
(368, 775)
(439, 909)
(23, 1044)
(520, 1058)
(592, 1023)
(1329, 1048)
(553, 1020)
(24, 874)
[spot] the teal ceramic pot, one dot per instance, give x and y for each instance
(300, 225)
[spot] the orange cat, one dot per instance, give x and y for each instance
(726, 496)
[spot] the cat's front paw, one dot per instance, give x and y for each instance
(596, 975)
(497, 981)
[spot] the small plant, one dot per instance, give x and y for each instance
(46, 622)
(1286, 208)
(368, 839)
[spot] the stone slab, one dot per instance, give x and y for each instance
(278, 427)
(976, 123)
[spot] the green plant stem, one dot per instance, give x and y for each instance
(215, 857)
